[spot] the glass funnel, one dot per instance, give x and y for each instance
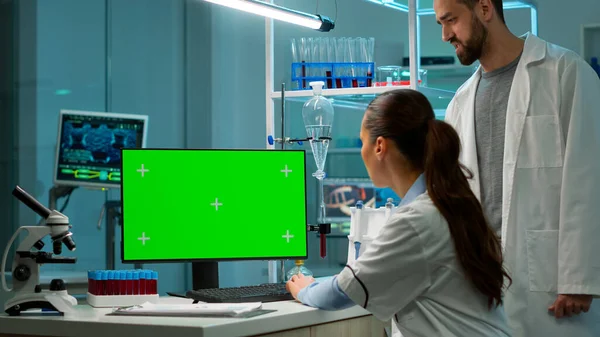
(317, 114)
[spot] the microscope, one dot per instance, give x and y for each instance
(29, 256)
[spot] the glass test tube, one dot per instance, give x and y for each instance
(148, 274)
(136, 282)
(142, 289)
(104, 279)
(109, 282)
(122, 282)
(154, 284)
(91, 282)
(129, 283)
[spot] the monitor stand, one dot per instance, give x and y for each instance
(57, 192)
(205, 275)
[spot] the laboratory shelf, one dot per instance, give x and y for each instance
(340, 92)
(358, 98)
(440, 93)
(358, 102)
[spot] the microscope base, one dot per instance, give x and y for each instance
(59, 301)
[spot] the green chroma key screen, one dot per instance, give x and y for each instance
(187, 204)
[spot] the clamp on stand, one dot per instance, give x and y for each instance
(287, 140)
(323, 229)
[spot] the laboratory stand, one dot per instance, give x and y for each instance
(317, 114)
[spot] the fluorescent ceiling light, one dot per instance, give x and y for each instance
(318, 22)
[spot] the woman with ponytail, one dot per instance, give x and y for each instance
(436, 267)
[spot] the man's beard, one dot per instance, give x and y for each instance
(473, 48)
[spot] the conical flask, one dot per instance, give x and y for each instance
(298, 269)
(317, 114)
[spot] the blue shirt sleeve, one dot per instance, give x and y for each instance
(325, 295)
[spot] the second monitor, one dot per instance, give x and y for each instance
(190, 205)
(89, 146)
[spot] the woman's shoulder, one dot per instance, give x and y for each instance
(421, 214)
(422, 207)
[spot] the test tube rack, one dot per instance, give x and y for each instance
(117, 288)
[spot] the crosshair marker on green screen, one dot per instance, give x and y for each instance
(187, 204)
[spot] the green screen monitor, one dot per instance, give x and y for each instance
(213, 205)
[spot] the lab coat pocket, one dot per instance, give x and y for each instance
(540, 143)
(542, 258)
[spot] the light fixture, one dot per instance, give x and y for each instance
(317, 22)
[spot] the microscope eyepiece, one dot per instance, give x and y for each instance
(30, 202)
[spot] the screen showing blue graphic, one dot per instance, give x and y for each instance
(89, 147)
(342, 193)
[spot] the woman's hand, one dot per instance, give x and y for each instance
(297, 283)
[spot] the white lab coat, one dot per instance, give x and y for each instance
(551, 178)
(411, 275)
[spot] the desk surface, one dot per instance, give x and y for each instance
(92, 322)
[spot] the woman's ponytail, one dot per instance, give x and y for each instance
(477, 245)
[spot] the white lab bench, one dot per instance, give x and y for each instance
(291, 319)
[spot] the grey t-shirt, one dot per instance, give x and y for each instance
(491, 102)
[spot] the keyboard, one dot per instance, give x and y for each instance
(269, 292)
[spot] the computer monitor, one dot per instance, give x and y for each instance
(213, 205)
(88, 151)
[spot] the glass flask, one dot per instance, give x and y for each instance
(298, 269)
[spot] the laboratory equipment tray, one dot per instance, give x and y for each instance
(269, 292)
(111, 301)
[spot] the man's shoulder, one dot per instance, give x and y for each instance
(562, 57)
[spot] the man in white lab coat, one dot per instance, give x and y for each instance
(529, 122)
